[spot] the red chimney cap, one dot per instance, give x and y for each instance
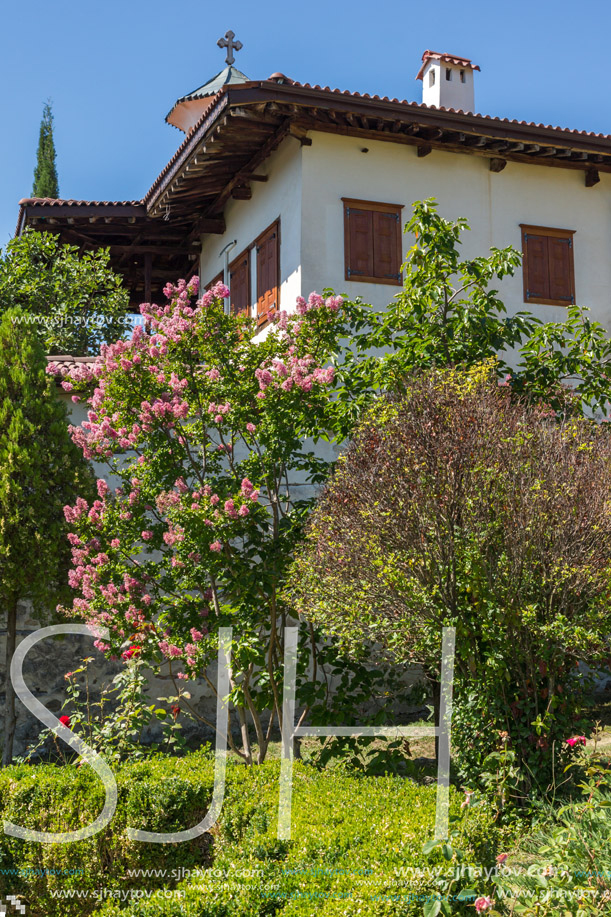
(443, 56)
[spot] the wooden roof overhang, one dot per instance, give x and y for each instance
(158, 239)
(145, 251)
(219, 159)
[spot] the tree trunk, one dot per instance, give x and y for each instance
(10, 719)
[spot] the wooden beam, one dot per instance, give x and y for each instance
(497, 164)
(242, 175)
(258, 177)
(299, 132)
(212, 225)
(424, 149)
(467, 149)
(243, 193)
(592, 177)
(148, 275)
(105, 211)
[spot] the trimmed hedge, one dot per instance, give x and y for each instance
(351, 837)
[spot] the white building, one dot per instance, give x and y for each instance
(297, 187)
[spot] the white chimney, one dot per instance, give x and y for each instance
(447, 81)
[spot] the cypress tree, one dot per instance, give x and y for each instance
(41, 470)
(45, 174)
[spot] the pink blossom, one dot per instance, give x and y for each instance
(250, 427)
(334, 303)
(196, 635)
(216, 546)
(213, 374)
(214, 499)
(146, 535)
(247, 487)
(483, 903)
(243, 511)
(576, 740)
(230, 509)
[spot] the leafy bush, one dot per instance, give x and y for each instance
(73, 302)
(162, 794)
(458, 505)
(569, 870)
(356, 842)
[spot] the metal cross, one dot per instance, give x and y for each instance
(231, 45)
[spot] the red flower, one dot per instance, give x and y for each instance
(132, 651)
(65, 721)
(175, 711)
(576, 740)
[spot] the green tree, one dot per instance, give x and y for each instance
(45, 174)
(41, 471)
(458, 505)
(450, 314)
(210, 430)
(74, 302)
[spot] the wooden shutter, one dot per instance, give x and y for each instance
(548, 268)
(239, 284)
(372, 241)
(268, 273)
(360, 243)
(386, 252)
(561, 269)
(537, 268)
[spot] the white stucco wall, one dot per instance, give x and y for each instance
(494, 203)
(278, 198)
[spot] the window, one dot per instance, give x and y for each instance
(239, 283)
(549, 274)
(463, 78)
(431, 77)
(448, 74)
(268, 271)
(372, 241)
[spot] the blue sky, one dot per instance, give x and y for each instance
(113, 70)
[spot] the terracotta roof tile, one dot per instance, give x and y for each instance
(449, 58)
(66, 363)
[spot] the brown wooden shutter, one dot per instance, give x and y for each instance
(537, 269)
(360, 243)
(239, 284)
(386, 251)
(560, 269)
(549, 274)
(372, 241)
(267, 273)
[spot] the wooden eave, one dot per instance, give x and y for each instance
(247, 122)
(146, 252)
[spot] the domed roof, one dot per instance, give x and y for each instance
(187, 111)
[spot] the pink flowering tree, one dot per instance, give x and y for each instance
(208, 430)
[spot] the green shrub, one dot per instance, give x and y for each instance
(352, 836)
(162, 794)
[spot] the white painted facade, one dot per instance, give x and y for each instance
(280, 197)
(306, 186)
